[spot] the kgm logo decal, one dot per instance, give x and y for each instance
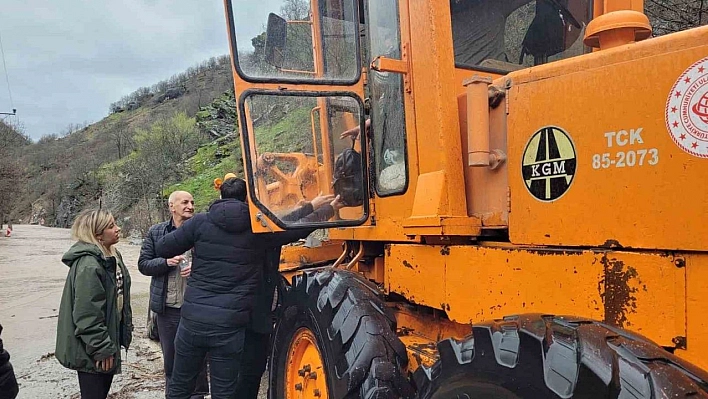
(549, 163)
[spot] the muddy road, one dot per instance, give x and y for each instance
(31, 282)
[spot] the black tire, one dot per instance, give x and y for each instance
(362, 355)
(539, 357)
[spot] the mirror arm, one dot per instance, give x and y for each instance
(402, 66)
(383, 64)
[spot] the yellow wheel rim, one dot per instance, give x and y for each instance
(304, 369)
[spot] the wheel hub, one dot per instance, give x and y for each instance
(305, 376)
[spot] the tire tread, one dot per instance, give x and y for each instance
(544, 356)
(371, 359)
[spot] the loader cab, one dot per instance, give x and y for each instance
(326, 95)
(309, 123)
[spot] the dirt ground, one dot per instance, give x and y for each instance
(31, 282)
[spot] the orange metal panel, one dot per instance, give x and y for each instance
(429, 324)
(625, 189)
(487, 189)
(696, 310)
(413, 272)
(642, 292)
(435, 88)
(383, 64)
(431, 203)
(615, 5)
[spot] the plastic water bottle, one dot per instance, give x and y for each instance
(186, 260)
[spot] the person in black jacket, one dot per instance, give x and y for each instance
(168, 284)
(226, 272)
(256, 348)
(8, 383)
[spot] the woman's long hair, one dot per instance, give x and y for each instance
(89, 224)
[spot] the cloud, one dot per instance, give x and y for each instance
(68, 60)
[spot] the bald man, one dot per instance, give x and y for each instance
(169, 281)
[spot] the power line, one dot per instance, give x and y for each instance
(7, 78)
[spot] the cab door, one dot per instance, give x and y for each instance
(299, 86)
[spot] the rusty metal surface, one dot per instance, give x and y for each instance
(644, 292)
(618, 296)
(696, 307)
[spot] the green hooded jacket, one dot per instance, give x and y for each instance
(89, 326)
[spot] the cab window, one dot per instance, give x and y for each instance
(514, 34)
(290, 40)
(302, 171)
(387, 118)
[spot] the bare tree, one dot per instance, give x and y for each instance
(123, 140)
(12, 141)
(12, 137)
(160, 152)
(295, 10)
(668, 16)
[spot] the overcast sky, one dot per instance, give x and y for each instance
(68, 60)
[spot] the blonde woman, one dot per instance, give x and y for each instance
(95, 318)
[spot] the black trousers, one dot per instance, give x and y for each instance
(191, 348)
(94, 385)
(255, 356)
(167, 323)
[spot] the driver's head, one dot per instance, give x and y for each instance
(234, 188)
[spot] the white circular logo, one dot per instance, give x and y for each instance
(687, 110)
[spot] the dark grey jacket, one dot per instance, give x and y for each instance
(152, 265)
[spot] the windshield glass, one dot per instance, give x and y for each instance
(387, 122)
(303, 170)
(296, 40)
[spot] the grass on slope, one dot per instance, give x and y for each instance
(290, 134)
(210, 162)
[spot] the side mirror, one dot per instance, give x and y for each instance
(276, 34)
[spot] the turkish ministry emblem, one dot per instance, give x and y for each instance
(687, 110)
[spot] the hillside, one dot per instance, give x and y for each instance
(127, 161)
(12, 144)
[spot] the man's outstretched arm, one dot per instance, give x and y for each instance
(180, 240)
